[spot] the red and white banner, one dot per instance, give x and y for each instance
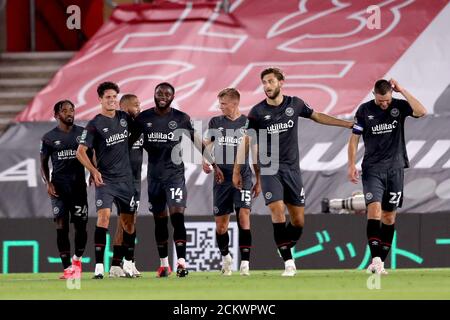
(330, 55)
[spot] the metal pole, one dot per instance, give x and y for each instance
(33, 25)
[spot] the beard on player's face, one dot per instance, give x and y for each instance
(68, 120)
(163, 103)
(273, 93)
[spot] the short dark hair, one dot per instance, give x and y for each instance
(165, 84)
(127, 97)
(58, 106)
(382, 87)
(276, 71)
(102, 87)
(230, 92)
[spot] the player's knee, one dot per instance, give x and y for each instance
(161, 215)
(374, 211)
(128, 225)
(61, 223)
(63, 229)
(278, 209)
(103, 221)
(221, 228)
(298, 222)
(388, 218)
(244, 218)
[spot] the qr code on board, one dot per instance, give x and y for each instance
(202, 252)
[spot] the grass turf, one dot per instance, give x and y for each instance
(260, 285)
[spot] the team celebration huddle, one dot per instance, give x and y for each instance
(249, 155)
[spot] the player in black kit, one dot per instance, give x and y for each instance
(130, 104)
(276, 118)
(224, 134)
(163, 127)
(67, 186)
(381, 122)
(107, 133)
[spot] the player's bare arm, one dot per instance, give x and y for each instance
(206, 166)
(325, 119)
(256, 189)
(353, 174)
(45, 172)
(83, 157)
(418, 108)
(199, 144)
(241, 155)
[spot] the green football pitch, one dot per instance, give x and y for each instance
(260, 285)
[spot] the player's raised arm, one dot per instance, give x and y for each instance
(418, 109)
(328, 120)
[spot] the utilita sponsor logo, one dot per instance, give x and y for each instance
(67, 154)
(116, 138)
(230, 140)
(384, 127)
(280, 127)
(159, 136)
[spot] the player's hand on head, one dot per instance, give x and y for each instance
(256, 189)
(395, 86)
(51, 190)
(206, 167)
(353, 174)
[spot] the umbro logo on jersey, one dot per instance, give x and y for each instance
(149, 124)
(267, 117)
(105, 130)
(57, 142)
(220, 128)
(370, 117)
